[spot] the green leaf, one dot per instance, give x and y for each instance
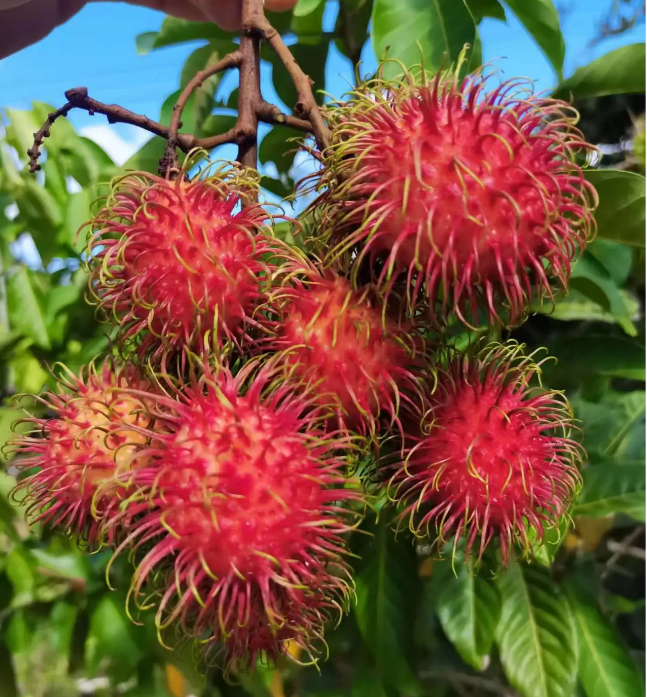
(178, 31)
(582, 356)
(312, 56)
(442, 27)
(621, 213)
(593, 280)
(25, 307)
(486, 8)
(111, 639)
(618, 72)
(76, 216)
(468, 607)
(614, 427)
(20, 130)
(352, 26)
(605, 668)
(536, 635)
(145, 42)
(387, 587)
(616, 258)
(611, 488)
(541, 19)
(280, 146)
(305, 7)
(148, 156)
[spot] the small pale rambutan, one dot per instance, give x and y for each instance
(84, 452)
(173, 261)
(338, 340)
(472, 197)
(494, 455)
(242, 500)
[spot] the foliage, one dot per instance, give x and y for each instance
(563, 625)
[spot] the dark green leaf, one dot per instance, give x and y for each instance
(468, 607)
(618, 72)
(25, 307)
(313, 59)
(583, 356)
(605, 668)
(352, 26)
(387, 588)
(541, 19)
(486, 8)
(536, 635)
(218, 123)
(279, 146)
(611, 488)
(442, 27)
(621, 213)
(308, 26)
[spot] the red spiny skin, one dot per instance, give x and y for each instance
(84, 453)
(474, 197)
(242, 501)
(334, 338)
(175, 260)
(494, 457)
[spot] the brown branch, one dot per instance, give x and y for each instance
(306, 106)
(78, 98)
(252, 108)
(168, 162)
(270, 113)
(42, 133)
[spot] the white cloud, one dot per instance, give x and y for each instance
(117, 147)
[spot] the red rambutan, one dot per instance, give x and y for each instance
(337, 340)
(242, 500)
(84, 452)
(175, 260)
(473, 197)
(495, 454)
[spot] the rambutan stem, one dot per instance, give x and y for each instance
(169, 160)
(252, 108)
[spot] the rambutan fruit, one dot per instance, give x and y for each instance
(494, 457)
(174, 261)
(475, 199)
(84, 453)
(242, 509)
(339, 341)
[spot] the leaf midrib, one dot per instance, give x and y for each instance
(594, 653)
(535, 634)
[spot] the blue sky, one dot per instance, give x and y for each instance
(97, 49)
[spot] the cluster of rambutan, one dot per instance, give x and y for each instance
(216, 450)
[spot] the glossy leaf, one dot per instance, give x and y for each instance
(605, 668)
(621, 213)
(387, 587)
(486, 8)
(468, 606)
(442, 28)
(177, 31)
(611, 488)
(618, 72)
(541, 19)
(536, 635)
(305, 7)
